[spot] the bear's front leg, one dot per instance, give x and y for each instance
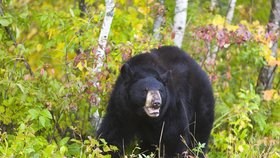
(114, 133)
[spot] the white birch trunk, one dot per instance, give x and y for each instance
(213, 5)
(230, 11)
(102, 41)
(180, 21)
(267, 73)
(159, 21)
(100, 53)
(211, 55)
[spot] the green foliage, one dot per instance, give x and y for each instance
(46, 110)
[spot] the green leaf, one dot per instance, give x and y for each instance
(64, 141)
(74, 149)
(24, 14)
(34, 113)
(72, 12)
(63, 149)
(2, 109)
(20, 87)
(260, 120)
(46, 113)
(5, 22)
(42, 121)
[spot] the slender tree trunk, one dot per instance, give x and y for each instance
(180, 21)
(213, 5)
(100, 53)
(159, 20)
(267, 73)
(212, 53)
(230, 11)
(102, 40)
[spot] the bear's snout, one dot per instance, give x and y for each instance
(153, 103)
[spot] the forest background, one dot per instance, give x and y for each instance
(54, 85)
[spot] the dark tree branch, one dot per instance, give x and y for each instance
(12, 37)
(82, 6)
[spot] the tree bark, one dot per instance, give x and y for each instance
(100, 53)
(267, 73)
(102, 40)
(159, 21)
(230, 11)
(180, 21)
(213, 5)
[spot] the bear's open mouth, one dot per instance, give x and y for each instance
(151, 111)
(153, 103)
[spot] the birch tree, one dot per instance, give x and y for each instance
(102, 40)
(230, 11)
(213, 5)
(100, 53)
(159, 20)
(180, 21)
(211, 54)
(267, 72)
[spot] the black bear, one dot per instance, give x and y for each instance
(162, 98)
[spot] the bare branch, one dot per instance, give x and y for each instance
(82, 6)
(12, 37)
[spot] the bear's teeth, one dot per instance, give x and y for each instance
(152, 112)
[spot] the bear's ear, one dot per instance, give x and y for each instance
(166, 77)
(126, 72)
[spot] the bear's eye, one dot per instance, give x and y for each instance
(146, 90)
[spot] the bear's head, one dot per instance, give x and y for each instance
(148, 93)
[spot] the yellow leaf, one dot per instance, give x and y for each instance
(245, 23)
(39, 47)
(32, 33)
(240, 148)
(219, 21)
(80, 66)
(232, 27)
(256, 23)
(51, 32)
(269, 94)
(101, 7)
(269, 58)
(144, 10)
(60, 46)
(274, 62)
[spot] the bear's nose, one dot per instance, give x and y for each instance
(156, 104)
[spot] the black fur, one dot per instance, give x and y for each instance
(188, 103)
